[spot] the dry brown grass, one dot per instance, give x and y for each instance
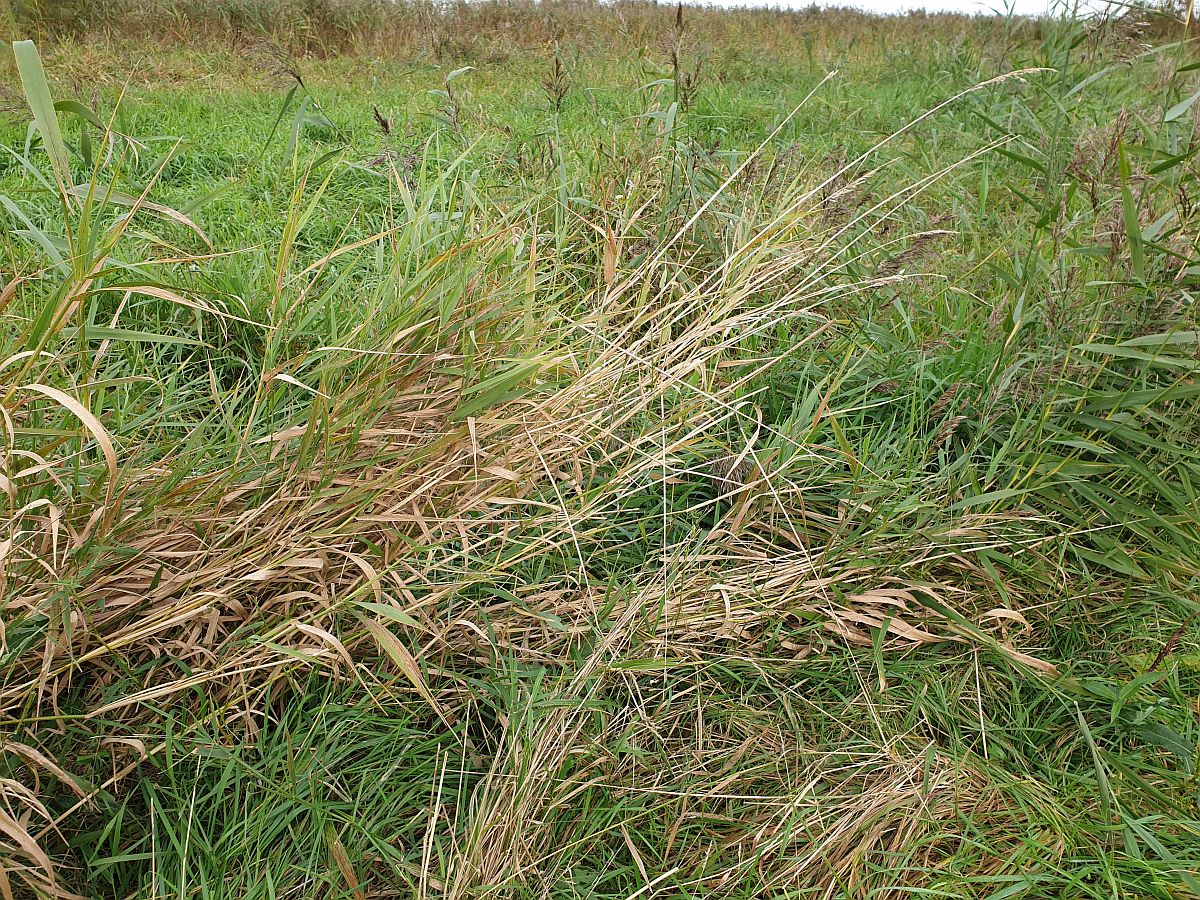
(626, 524)
(488, 31)
(238, 583)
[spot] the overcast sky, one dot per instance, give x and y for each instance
(1020, 7)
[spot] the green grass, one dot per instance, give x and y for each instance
(598, 479)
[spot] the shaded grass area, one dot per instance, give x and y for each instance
(653, 466)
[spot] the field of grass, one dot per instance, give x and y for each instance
(577, 451)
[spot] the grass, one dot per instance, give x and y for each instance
(469, 461)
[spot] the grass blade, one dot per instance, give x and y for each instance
(37, 95)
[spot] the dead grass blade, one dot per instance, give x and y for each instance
(92, 424)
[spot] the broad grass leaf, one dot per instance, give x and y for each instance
(407, 663)
(1179, 110)
(390, 612)
(105, 333)
(41, 104)
(497, 389)
(137, 203)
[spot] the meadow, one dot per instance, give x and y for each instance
(616, 451)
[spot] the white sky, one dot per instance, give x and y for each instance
(1019, 7)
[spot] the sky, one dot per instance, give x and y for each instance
(1020, 7)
